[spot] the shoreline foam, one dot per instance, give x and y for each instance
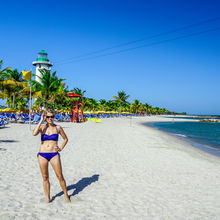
(208, 148)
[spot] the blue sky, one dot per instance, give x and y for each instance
(180, 75)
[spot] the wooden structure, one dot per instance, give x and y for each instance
(76, 108)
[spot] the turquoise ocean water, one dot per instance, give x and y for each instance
(203, 135)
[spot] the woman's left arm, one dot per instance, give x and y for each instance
(65, 139)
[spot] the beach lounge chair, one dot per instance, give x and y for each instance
(13, 118)
(36, 118)
(57, 117)
(2, 123)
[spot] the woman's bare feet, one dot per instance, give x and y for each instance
(67, 198)
(48, 200)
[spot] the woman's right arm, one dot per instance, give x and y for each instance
(37, 130)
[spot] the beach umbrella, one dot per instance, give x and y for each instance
(86, 112)
(8, 110)
(113, 112)
(126, 113)
(73, 95)
(14, 83)
(35, 93)
(101, 112)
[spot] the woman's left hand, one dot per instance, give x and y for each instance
(57, 149)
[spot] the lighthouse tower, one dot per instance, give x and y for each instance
(42, 62)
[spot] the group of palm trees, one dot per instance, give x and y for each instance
(51, 93)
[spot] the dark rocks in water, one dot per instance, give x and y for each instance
(209, 120)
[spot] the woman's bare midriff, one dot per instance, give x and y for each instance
(48, 146)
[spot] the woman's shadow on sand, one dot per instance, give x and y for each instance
(80, 186)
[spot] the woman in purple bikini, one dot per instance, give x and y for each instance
(49, 152)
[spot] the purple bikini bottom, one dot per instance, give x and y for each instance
(48, 156)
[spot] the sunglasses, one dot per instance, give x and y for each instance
(50, 116)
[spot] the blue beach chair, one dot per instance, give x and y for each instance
(36, 118)
(2, 123)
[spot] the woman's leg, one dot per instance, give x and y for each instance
(45, 174)
(56, 164)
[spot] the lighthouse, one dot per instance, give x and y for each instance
(42, 62)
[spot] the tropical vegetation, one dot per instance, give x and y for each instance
(51, 93)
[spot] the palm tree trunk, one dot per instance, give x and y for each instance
(46, 99)
(13, 101)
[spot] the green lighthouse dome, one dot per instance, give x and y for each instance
(42, 59)
(42, 56)
(42, 52)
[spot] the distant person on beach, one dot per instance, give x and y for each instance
(49, 152)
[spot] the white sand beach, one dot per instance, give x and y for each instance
(117, 169)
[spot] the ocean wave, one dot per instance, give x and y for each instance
(181, 135)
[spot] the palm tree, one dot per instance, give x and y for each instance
(6, 90)
(7, 93)
(92, 104)
(109, 105)
(136, 106)
(126, 107)
(78, 91)
(2, 95)
(3, 71)
(102, 104)
(82, 99)
(50, 87)
(164, 111)
(121, 99)
(157, 110)
(146, 106)
(16, 78)
(22, 103)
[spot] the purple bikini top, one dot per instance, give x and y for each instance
(52, 137)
